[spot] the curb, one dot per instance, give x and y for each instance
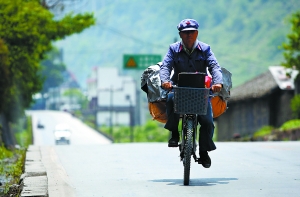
(34, 179)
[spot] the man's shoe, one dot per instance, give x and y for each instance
(204, 159)
(173, 142)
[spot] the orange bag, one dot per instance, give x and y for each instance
(158, 111)
(218, 105)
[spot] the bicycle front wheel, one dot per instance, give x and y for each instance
(188, 148)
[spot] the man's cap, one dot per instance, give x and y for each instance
(188, 24)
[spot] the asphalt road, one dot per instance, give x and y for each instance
(152, 169)
(81, 133)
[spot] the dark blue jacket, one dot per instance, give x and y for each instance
(201, 58)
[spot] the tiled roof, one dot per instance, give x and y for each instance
(255, 88)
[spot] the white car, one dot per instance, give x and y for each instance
(62, 134)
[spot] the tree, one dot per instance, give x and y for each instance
(295, 106)
(27, 30)
(77, 95)
(292, 48)
(5, 82)
(5, 85)
(52, 69)
(52, 76)
(58, 6)
(292, 58)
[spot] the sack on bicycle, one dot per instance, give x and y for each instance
(158, 111)
(151, 84)
(219, 101)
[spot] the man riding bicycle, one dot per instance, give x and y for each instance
(190, 55)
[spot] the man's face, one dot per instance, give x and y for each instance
(188, 37)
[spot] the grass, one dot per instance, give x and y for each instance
(12, 161)
(291, 124)
(269, 132)
(152, 131)
(23, 132)
(266, 130)
(11, 166)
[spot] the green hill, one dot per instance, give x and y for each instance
(245, 35)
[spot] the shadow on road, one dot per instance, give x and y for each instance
(197, 182)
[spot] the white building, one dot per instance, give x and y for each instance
(112, 96)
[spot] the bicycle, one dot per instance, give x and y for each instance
(189, 103)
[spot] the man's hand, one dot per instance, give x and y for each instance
(167, 85)
(216, 88)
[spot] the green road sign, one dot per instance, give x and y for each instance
(135, 61)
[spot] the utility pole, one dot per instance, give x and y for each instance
(111, 112)
(131, 118)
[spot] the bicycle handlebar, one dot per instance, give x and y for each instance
(210, 95)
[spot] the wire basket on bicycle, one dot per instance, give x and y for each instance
(191, 100)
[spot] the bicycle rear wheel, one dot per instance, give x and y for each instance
(188, 148)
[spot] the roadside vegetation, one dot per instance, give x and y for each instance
(289, 131)
(12, 159)
(27, 30)
(152, 131)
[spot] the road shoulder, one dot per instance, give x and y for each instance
(44, 176)
(34, 179)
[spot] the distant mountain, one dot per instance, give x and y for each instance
(245, 35)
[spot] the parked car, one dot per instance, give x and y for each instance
(40, 125)
(62, 134)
